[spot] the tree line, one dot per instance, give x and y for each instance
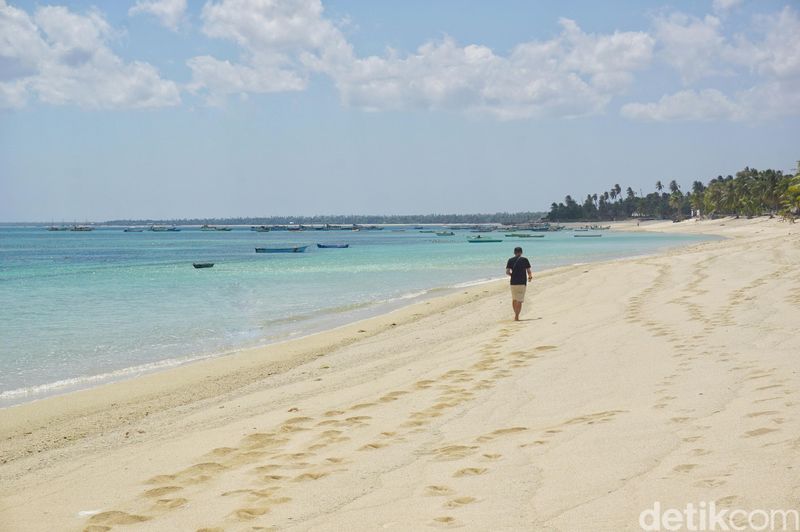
(750, 192)
(348, 219)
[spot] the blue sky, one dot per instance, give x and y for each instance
(169, 109)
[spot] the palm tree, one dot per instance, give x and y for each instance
(696, 200)
(659, 186)
(791, 197)
(618, 189)
(673, 186)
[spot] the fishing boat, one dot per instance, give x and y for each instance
(200, 265)
(81, 228)
(296, 249)
(223, 229)
(482, 239)
(445, 233)
(58, 228)
(163, 228)
(588, 236)
(260, 229)
(206, 227)
(524, 235)
(427, 231)
(133, 230)
(333, 246)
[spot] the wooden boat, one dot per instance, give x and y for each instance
(480, 240)
(333, 246)
(58, 228)
(200, 265)
(445, 233)
(207, 227)
(260, 229)
(587, 236)
(524, 235)
(427, 231)
(133, 230)
(81, 228)
(163, 228)
(296, 249)
(223, 229)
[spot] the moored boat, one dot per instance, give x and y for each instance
(587, 236)
(445, 233)
(163, 228)
(482, 239)
(133, 230)
(200, 265)
(295, 249)
(333, 246)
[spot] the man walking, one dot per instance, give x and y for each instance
(519, 269)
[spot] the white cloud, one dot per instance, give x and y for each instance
(274, 36)
(722, 6)
(708, 104)
(697, 49)
(573, 74)
(222, 78)
(169, 12)
(63, 58)
(690, 45)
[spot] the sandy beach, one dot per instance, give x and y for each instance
(670, 378)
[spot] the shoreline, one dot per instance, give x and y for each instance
(328, 322)
(602, 341)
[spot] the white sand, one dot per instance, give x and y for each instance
(671, 378)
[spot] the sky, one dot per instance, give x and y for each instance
(176, 109)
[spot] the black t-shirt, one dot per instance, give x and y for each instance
(519, 270)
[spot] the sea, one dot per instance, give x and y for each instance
(78, 309)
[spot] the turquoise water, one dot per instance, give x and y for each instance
(82, 308)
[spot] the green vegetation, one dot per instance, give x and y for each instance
(750, 193)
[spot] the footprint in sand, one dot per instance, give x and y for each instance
(114, 517)
(191, 475)
(459, 502)
(453, 452)
(361, 406)
(759, 432)
(470, 472)
(169, 504)
(445, 521)
(247, 514)
(684, 468)
(160, 492)
(763, 413)
(500, 432)
(709, 483)
(310, 476)
(372, 446)
(438, 491)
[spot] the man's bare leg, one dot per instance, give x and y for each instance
(517, 309)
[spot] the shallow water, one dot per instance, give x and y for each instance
(81, 308)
